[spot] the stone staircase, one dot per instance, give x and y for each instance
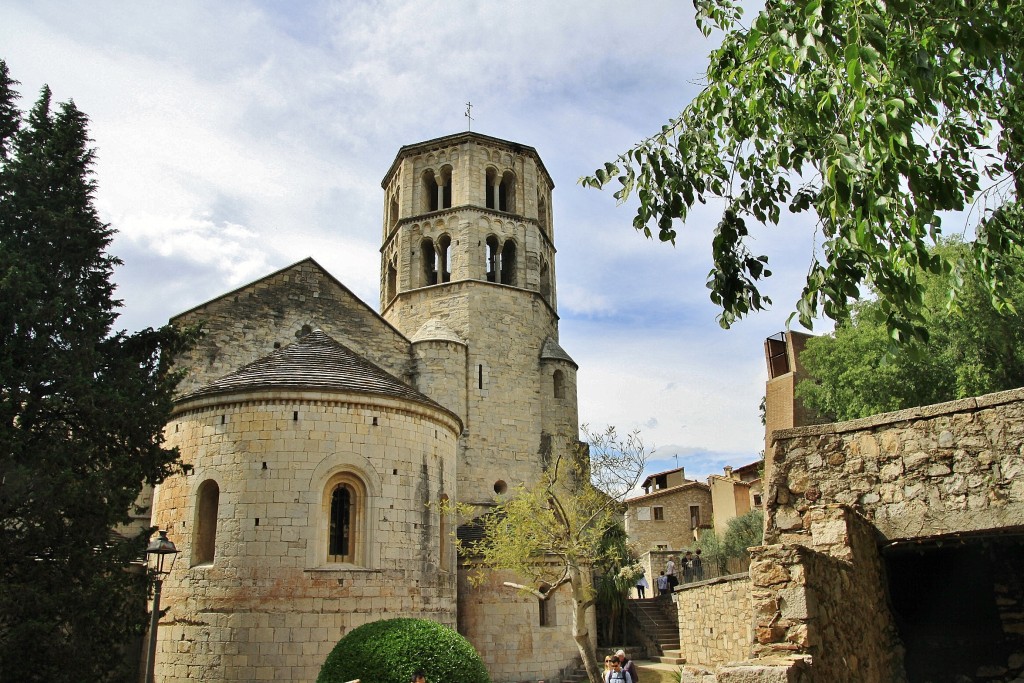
(658, 627)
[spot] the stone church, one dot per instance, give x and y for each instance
(322, 438)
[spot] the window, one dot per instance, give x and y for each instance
(392, 282)
(508, 263)
(444, 252)
(500, 191)
(492, 259)
(659, 513)
(757, 499)
(558, 379)
(443, 540)
(694, 516)
(429, 258)
(542, 213)
(204, 530)
(545, 281)
(546, 607)
(437, 189)
(344, 503)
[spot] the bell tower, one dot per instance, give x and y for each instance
(468, 274)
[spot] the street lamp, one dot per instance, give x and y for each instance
(161, 547)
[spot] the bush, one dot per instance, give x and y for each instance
(389, 651)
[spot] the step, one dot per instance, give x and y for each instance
(673, 656)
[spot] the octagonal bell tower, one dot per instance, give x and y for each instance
(468, 274)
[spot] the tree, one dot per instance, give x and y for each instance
(741, 533)
(877, 115)
(81, 410)
(974, 348)
(552, 533)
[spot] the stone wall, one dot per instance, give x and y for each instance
(940, 469)
(270, 604)
(503, 624)
(827, 598)
(714, 620)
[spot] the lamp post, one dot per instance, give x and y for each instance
(161, 547)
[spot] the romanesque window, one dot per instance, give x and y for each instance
(344, 505)
(542, 213)
(558, 379)
(508, 263)
(437, 189)
(443, 542)
(392, 282)
(545, 281)
(429, 258)
(444, 253)
(500, 191)
(492, 257)
(546, 607)
(394, 210)
(204, 529)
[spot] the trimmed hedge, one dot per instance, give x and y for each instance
(389, 651)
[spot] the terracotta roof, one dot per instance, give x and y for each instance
(669, 490)
(315, 362)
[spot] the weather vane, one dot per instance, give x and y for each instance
(469, 116)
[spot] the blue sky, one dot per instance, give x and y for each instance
(235, 138)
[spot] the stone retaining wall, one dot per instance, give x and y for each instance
(946, 468)
(714, 620)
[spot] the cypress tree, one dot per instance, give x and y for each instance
(82, 410)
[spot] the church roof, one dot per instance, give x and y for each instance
(435, 330)
(316, 361)
(552, 351)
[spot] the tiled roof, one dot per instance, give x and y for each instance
(315, 362)
(552, 351)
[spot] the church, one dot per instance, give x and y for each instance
(322, 439)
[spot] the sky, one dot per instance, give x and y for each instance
(235, 138)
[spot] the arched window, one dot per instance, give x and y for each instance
(508, 263)
(430, 202)
(445, 181)
(558, 379)
(507, 193)
(545, 281)
(444, 252)
(542, 213)
(204, 529)
(394, 210)
(492, 259)
(429, 257)
(392, 282)
(444, 543)
(491, 188)
(344, 510)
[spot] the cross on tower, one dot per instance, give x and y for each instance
(469, 116)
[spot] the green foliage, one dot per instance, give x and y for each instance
(974, 347)
(743, 532)
(553, 533)
(81, 410)
(615, 574)
(875, 115)
(390, 651)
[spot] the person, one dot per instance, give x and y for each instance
(670, 572)
(418, 677)
(687, 567)
(627, 665)
(698, 566)
(607, 668)
(641, 586)
(663, 585)
(615, 674)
